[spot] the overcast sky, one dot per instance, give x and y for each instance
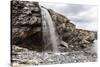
(83, 16)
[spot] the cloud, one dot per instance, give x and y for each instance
(84, 16)
(86, 19)
(75, 9)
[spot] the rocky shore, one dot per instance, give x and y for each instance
(24, 56)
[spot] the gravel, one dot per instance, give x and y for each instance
(24, 56)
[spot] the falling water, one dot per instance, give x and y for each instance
(50, 36)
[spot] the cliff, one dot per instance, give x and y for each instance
(27, 27)
(26, 24)
(76, 38)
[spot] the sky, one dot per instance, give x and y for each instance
(83, 16)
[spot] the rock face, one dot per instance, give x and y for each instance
(27, 27)
(76, 38)
(26, 24)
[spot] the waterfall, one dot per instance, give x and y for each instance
(50, 37)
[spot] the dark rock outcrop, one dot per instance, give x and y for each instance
(26, 24)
